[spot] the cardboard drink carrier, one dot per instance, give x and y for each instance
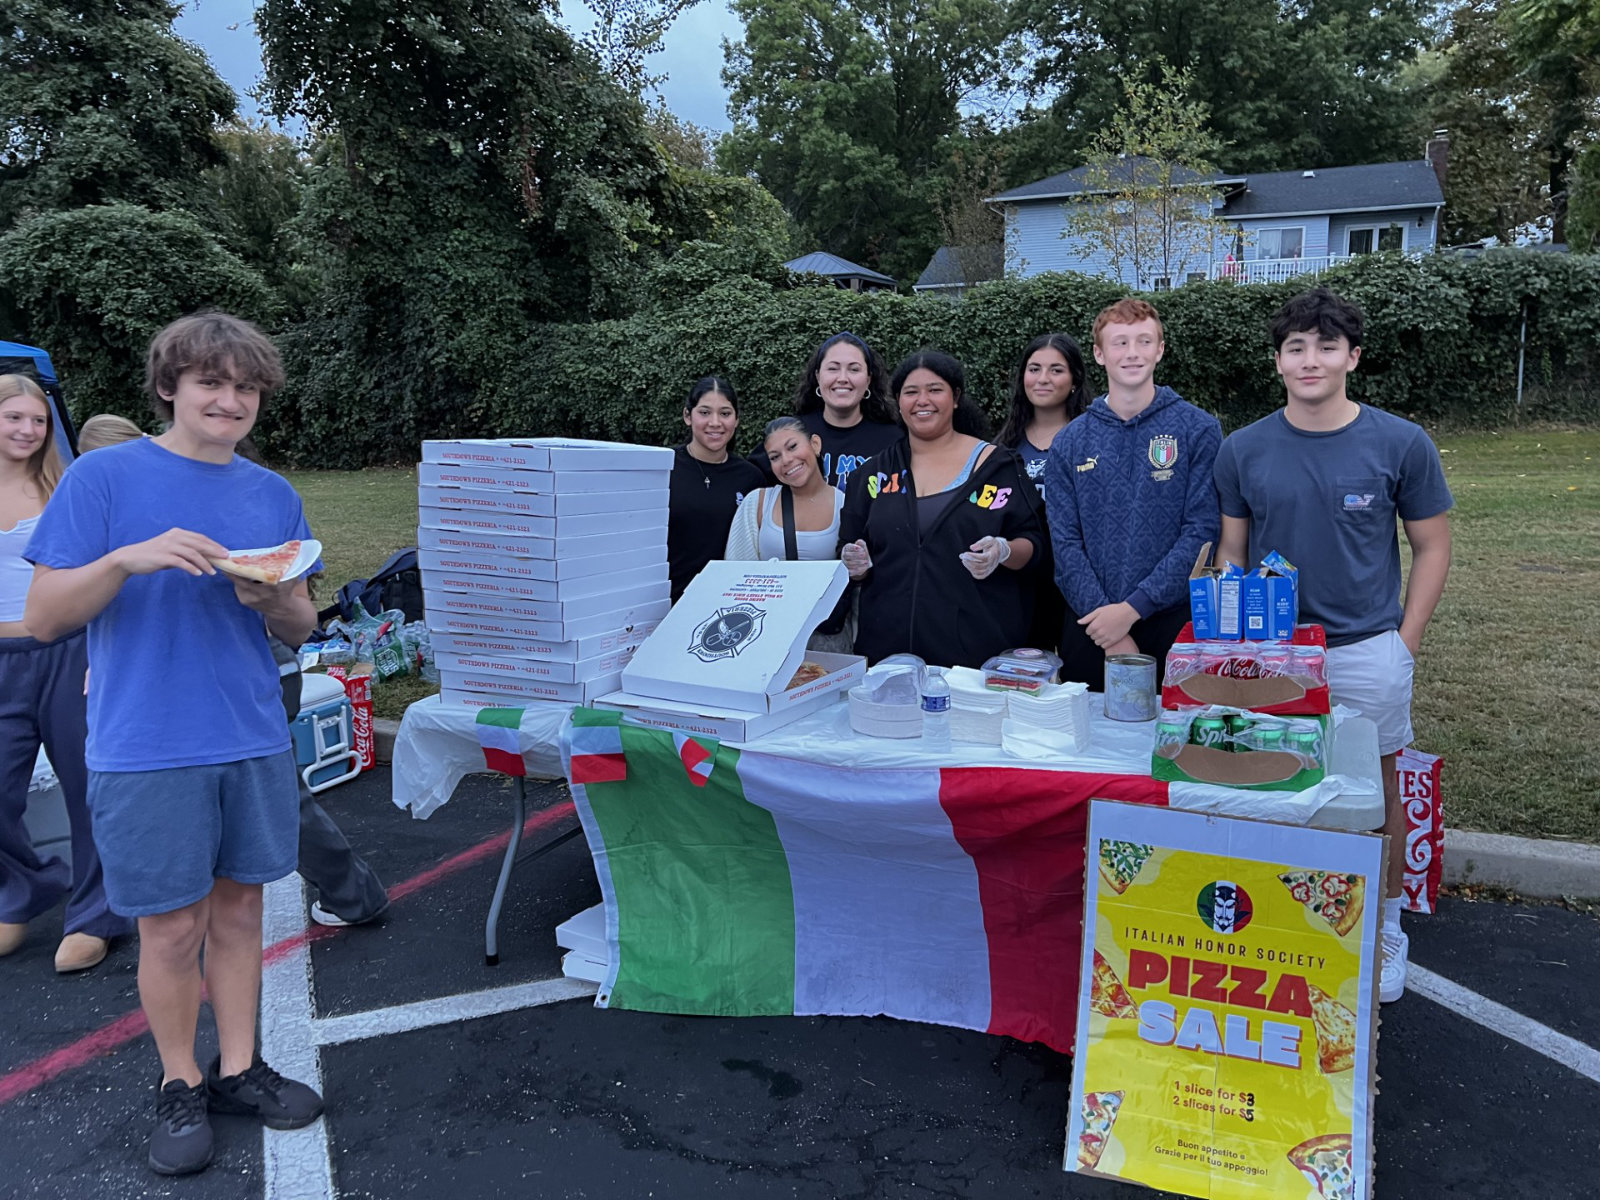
(723, 660)
(1264, 677)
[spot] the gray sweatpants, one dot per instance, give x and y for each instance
(41, 700)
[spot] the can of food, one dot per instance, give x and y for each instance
(1305, 739)
(1130, 687)
(1209, 731)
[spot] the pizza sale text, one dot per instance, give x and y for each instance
(1163, 1023)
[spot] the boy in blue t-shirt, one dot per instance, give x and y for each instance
(192, 783)
(1322, 481)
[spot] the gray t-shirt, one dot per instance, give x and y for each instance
(1327, 502)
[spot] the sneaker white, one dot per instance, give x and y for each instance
(1396, 950)
(323, 917)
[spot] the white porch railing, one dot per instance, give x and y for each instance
(1275, 270)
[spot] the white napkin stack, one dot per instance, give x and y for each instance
(976, 713)
(1060, 708)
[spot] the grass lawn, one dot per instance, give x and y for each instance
(1503, 687)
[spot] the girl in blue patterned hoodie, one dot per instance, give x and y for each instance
(1130, 498)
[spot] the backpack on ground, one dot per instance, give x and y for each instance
(397, 584)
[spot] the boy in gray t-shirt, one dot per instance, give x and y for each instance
(1322, 481)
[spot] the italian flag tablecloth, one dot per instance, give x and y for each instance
(741, 884)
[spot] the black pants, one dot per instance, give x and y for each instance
(1084, 662)
(346, 886)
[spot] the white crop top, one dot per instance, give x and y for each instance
(16, 572)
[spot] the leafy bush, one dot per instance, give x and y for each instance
(1441, 347)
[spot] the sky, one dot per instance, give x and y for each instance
(691, 57)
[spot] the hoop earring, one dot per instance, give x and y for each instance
(866, 395)
(818, 390)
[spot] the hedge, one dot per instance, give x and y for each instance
(1441, 348)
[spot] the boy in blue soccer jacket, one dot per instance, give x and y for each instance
(1129, 494)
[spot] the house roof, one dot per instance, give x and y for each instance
(1076, 182)
(960, 266)
(1408, 184)
(820, 262)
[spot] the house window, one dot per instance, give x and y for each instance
(1163, 283)
(1384, 239)
(1195, 277)
(1288, 242)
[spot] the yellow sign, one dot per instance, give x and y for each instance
(1227, 1012)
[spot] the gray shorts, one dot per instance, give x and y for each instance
(165, 836)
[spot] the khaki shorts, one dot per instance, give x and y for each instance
(1374, 677)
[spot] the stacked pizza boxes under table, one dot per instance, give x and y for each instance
(1245, 695)
(543, 562)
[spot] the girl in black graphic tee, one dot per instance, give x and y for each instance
(707, 482)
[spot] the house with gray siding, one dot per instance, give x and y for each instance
(1268, 226)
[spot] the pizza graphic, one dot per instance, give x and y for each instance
(1107, 995)
(1327, 1162)
(1336, 1032)
(1121, 862)
(1099, 1115)
(1335, 896)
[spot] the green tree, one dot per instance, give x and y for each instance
(627, 32)
(1149, 171)
(1286, 85)
(252, 199)
(1556, 43)
(844, 110)
(101, 101)
(97, 283)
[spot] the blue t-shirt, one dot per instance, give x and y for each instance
(181, 673)
(1327, 501)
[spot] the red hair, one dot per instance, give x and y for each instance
(1128, 311)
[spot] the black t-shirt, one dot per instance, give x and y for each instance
(703, 499)
(843, 450)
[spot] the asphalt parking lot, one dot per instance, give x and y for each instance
(447, 1078)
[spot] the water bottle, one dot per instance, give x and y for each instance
(935, 710)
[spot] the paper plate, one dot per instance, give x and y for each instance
(310, 551)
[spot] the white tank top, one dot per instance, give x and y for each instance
(810, 544)
(16, 572)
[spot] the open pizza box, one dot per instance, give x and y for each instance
(726, 655)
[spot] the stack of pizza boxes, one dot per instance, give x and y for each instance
(1245, 695)
(544, 564)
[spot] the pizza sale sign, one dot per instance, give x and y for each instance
(1227, 1019)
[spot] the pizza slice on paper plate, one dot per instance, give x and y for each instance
(271, 564)
(1121, 862)
(1099, 1115)
(1336, 1032)
(1106, 993)
(1335, 896)
(1327, 1162)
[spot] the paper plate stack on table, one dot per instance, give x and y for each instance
(730, 660)
(544, 564)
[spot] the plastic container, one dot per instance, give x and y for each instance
(935, 709)
(323, 734)
(1021, 670)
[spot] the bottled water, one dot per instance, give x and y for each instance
(935, 709)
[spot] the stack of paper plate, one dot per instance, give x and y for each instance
(876, 719)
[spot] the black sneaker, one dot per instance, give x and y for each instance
(260, 1092)
(181, 1141)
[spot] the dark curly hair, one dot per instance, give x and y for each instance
(875, 406)
(1021, 410)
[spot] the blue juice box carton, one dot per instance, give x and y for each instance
(1215, 599)
(1270, 600)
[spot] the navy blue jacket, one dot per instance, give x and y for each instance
(1131, 503)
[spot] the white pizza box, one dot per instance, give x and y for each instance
(548, 454)
(543, 527)
(598, 586)
(585, 932)
(518, 609)
(618, 641)
(545, 483)
(521, 566)
(478, 625)
(538, 669)
(540, 504)
(737, 635)
(578, 964)
(734, 725)
(490, 691)
(611, 545)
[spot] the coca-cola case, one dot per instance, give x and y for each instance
(1424, 804)
(1287, 679)
(359, 689)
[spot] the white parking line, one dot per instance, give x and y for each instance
(296, 1163)
(421, 1014)
(1558, 1047)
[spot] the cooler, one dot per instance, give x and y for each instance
(322, 734)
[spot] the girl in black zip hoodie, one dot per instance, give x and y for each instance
(943, 567)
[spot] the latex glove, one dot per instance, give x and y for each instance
(856, 559)
(985, 556)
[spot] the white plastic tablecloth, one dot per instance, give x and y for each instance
(438, 745)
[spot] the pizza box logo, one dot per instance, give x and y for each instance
(726, 632)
